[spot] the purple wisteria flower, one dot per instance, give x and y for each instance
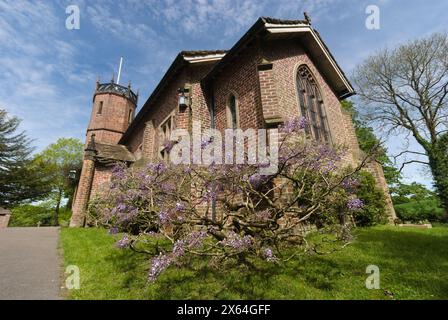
(210, 195)
(326, 159)
(121, 207)
(350, 184)
(257, 180)
(237, 242)
(164, 217)
(168, 187)
(269, 255)
(355, 204)
(263, 215)
(119, 172)
(124, 242)
(294, 125)
(113, 230)
(179, 248)
(156, 167)
(158, 265)
(196, 238)
(127, 215)
(180, 207)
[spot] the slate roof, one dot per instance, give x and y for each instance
(116, 152)
(282, 21)
(196, 53)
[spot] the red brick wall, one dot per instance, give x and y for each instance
(113, 121)
(101, 179)
(240, 78)
(286, 57)
(351, 141)
(200, 99)
(167, 103)
(83, 193)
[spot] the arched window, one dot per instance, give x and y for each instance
(312, 105)
(232, 112)
(130, 116)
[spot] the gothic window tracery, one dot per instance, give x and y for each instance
(311, 105)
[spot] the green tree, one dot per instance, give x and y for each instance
(59, 159)
(368, 141)
(404, 193)
(406, 91)
(374, 208)
(20, 178)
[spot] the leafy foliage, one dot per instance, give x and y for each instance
(374, 209)
(438, 161)
(406, 193)
(56, 161)
(405, 91)
(28, 215)
(20, 179)
(429, 210)
(368, 141)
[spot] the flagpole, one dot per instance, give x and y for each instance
(119, 70)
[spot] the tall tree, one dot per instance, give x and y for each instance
(406, 91)
(20, 179)
(368, 141)
(59, 159)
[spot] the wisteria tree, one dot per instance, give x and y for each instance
(231, 212)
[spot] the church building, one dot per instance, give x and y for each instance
(278, 70)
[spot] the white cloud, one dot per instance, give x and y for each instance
(37, 61)
(209, 18)
(48, 72)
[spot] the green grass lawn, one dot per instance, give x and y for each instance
(413, 265)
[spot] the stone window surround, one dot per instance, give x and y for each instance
(229, 113)
(321, 112)
(164, 135)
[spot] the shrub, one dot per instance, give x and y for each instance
(374, 209)
(28, 215)
(423, 210)
(258, 216)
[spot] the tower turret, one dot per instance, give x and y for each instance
(113, 110)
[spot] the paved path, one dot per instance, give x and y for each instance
(29, 264)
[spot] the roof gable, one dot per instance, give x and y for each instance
(271, 28)
(265, 27)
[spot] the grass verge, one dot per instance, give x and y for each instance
(413, 264)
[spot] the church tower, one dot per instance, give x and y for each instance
(112, 111)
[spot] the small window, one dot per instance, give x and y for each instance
(131, 116)
(165, 130)
(100, 108)
(232, 113)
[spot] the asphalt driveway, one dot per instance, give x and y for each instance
(29, 264)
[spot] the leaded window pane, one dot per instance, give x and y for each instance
(311, 105)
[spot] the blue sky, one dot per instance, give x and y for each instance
(48, 73)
